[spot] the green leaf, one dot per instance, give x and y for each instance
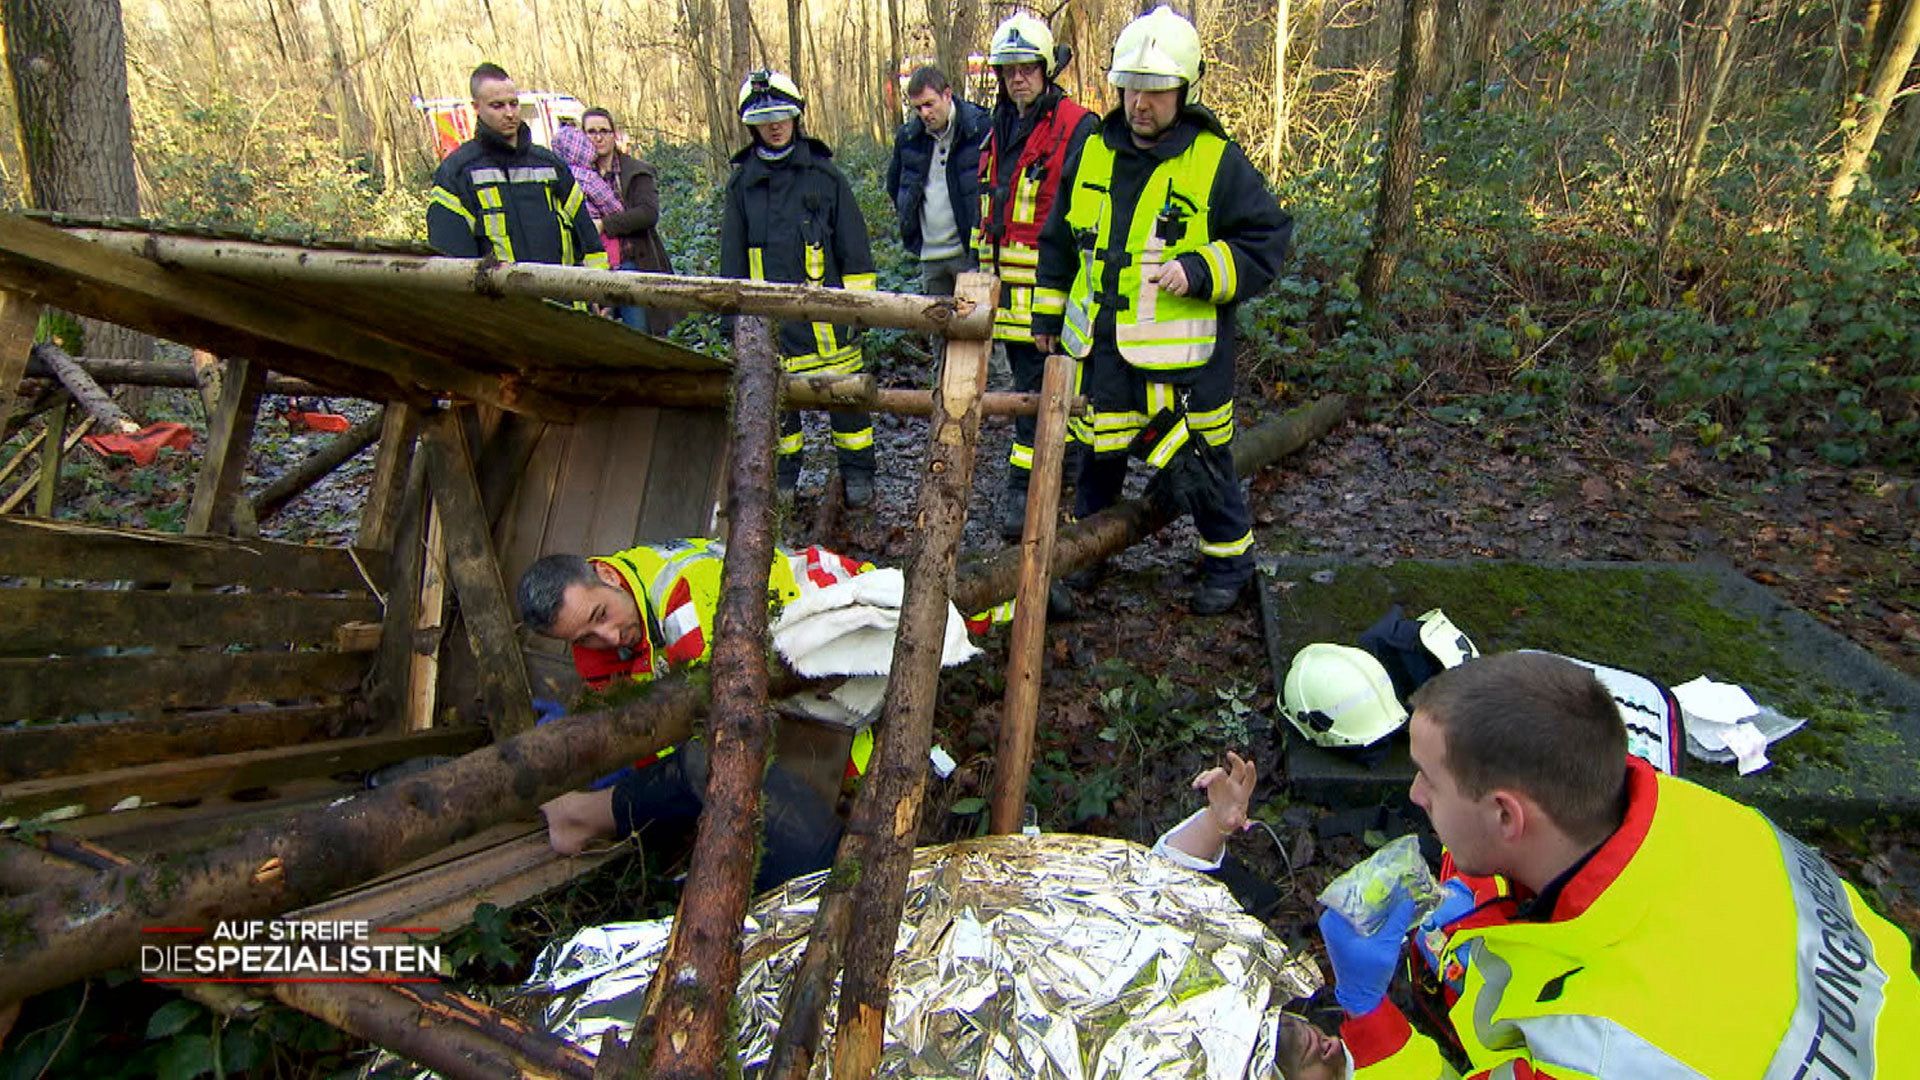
(185, 1058)
(969, 806)
(241, 1048)
(172, 1018)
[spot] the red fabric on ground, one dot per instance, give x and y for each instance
(143, 445)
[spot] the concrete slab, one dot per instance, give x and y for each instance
(1857, 760)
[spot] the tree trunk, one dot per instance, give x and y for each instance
(739, 38)
(1683, 174)
(796, 14)
(350, 126)
(1394, 210)
(1902, 43)
(1486, 34)
(1281, 99)
(69, 70)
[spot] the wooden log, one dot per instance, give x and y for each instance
(380, 515)
(829, 393)
(98, 403)
(273, 264)
(53, 939)
(96, 792)
(72, 686)
(318, 465)
(48, 454)
(185, 305)
(447, 1032)
(474, 573)
(43, 750)
(38, 622)
(690, 1002)
(229, 436)
(868, 881)
(19, 322)
(172, 374)
(24, 868)
(69, 551)
(1026, 645)
(993, 579)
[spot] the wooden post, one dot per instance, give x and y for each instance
(205, 369)
(690, 1001)
(19, 321)
(380, 516)
(388, 693)
(869, 877)
(50, 463)
(229, 434)
(475, 574)
(1026, 648)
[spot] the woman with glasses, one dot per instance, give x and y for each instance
(636, 225)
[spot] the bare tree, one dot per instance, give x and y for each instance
(68, 64)
(1394, 210)
(1902, 42)
(1695, 119)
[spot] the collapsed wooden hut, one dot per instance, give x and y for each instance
(192, 714)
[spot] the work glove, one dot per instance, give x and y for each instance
(1363, 964)
(545, 709)
(1456, 899)
(1187, 482)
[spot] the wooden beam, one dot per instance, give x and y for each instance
(69, 551)
(92, 279)
(65, 621)
(55, 453)
(475, 574)
(173, 374)
(380, 514)
(97, 792)
(1026, 645)
(42, 750)
(272, 263)
(208, 379)
(43, 689)
(229, 436)
(318, 465)
(831, 393)
(84, 389)
(19, 322)
(387, 691)
(431, 619)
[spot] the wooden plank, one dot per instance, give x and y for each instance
(43, 750)
(56, 268)
(56, 452)
(42, 621)
(229, 435)
(19, 321)
(43, 689)
(628, 458)
(381, 513)
(475, 576)
(72, 552)
(198, 824)
(393, 667)
(576, 491)
(502, 459)
(524, 525)
(430, 618)
(100, 791)
(681, 500)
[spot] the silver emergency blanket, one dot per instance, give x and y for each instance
(1026, 958)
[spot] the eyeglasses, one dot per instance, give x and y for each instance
(598, 131)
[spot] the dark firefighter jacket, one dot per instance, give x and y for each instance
(514, 203)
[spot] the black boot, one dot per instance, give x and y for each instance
(1013, 513)
(786, 475)
(857, 485)
(1216, 596)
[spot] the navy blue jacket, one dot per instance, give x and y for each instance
(912, 154)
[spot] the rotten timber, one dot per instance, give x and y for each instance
(70, 551)
(690, 1001)
(43, 750)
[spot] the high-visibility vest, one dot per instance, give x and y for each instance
(1724, 948)
(1014, 253)
(1155, 331)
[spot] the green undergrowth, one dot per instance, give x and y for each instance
(1669, 623)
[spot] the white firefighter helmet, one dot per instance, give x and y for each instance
(1157, 51)
(1444, 641)
(767, 96)
(1340, 697)
(1022, 39)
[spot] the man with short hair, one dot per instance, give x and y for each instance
(934, 179)
(636, 225)
(1036, 139)
(636, 615)
(1604, 920)
(500, 196)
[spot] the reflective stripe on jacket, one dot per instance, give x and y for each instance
(1699, 940)
(1015, 199)
(1154, 330)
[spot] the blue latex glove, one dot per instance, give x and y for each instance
(1363, 964)
(1456, 899)
(545, 709)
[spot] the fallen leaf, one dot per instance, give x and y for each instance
(1595, 489)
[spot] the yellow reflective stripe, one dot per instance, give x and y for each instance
(495, 224)
(1160, 396)
(448, 200)
(862, 752)
(1169, 444)
(595, 259)
(861, 282)
(1019, 255)
(823, 340)
(846, 361)
(794, 443)
(756, 264)
(488, 198)
(1026, 195)
(1228, 549)
(1214, 425)
(571, 204)
(1049, 301)
(1219, 259)
(854, 440)
(1021, 457)
(816, 263)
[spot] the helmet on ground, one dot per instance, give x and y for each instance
(1022, 39)
(1444, 641)
(1157, 51)
(768, 96)
(1340, 697)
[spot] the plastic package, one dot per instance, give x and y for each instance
(1365, 893)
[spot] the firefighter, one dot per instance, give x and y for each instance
(1604, 920)
(1036, 135)
(501, 196)
(1164, 227)
(636, 615)
(791, 216)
